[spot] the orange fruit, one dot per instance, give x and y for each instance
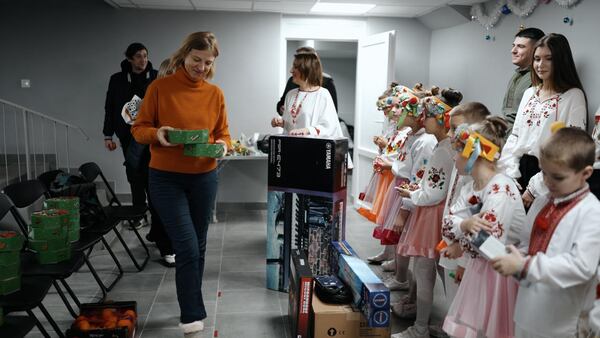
(83, 325)
(130, 313)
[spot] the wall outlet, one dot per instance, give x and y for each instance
(25, 83)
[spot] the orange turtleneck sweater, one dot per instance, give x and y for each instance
(178, 101)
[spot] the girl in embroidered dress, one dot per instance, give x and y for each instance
(423, 231)
(557, 263)
(556, 95)
(413, 153)
(386, 103)
(484, 303)
(393, 102)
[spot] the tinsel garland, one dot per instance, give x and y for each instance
(488, 21)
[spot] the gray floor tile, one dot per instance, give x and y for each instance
(245, 243)
(261, 300)
(139, 282)
(172, 333)
(242, 280)
(256, 325)
(144, 299)
(166, 315)
(244, 263)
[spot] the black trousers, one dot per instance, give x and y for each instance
(528, 166)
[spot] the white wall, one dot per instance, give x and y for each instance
(69, 49)
(343, 72)
(463, 59)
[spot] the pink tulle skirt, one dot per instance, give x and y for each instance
(484, 304)
(422, 232)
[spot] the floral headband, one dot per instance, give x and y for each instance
(471, 145)
(402, 102)
(433, 106)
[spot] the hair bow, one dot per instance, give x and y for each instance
(433, 106)
(471, 145)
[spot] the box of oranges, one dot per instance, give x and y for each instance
(105, 320)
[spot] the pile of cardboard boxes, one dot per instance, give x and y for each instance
(306, 227)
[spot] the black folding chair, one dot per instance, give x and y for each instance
(24, 194)
(32, 293)
(16, 326)
(118, 212)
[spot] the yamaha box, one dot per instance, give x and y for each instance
(307, 164)
(300, 296)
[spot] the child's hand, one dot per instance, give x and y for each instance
(527, 198)
(277, 122)
(403, 192)
(510, 264)
(380, 142)
(453, 251)
(474, 224)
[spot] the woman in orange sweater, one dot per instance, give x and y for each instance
(184, 188)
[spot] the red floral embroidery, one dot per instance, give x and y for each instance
(473, 200)
(420, 173)
(495, 187)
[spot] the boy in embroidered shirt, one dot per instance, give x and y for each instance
(562, 254)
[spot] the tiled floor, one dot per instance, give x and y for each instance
(238, 304)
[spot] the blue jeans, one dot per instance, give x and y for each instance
(184, 203)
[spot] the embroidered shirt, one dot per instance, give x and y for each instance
(532, 124)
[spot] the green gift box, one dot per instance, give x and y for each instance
(10, 285)
(203, 150)
(10, 271)
(74, 234)
(54, 232)
(54, 256)
(70, 203)
(179, 136)
(10, 241)
(50, 218)
(49, 245)
(9, 257)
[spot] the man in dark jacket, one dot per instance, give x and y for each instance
(133, 79)
(327, 84)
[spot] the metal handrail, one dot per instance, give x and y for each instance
(67, 124)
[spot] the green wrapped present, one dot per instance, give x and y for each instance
(10, 241)
(10, 271)
(74, 234)
(49, 245)
(50, 218)
(70, 203)
(9, 257)
(61, 232)
(179, 136)
(203, 150)
(54, 256)
(10, 285)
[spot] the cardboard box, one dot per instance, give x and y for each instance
(203, 150)
(307, 164)
(371, 296)
(339, 248)
(188, 136)
(342, 321)
(300, 296)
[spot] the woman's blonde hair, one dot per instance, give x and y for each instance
(200, 41)
(165, 69)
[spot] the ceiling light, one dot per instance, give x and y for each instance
(341, 8)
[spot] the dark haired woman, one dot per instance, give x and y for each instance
(556, 95)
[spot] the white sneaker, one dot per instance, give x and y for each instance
(169, 260)
(394, 285)
(437, 331)
(193, 329)
(378, 259)
(405, 310)
(389, 266)
(413, 332)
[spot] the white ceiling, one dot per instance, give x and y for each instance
(391, 8)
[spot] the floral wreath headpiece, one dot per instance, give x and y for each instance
(471, 145)
(402, 102)
(433, 106)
